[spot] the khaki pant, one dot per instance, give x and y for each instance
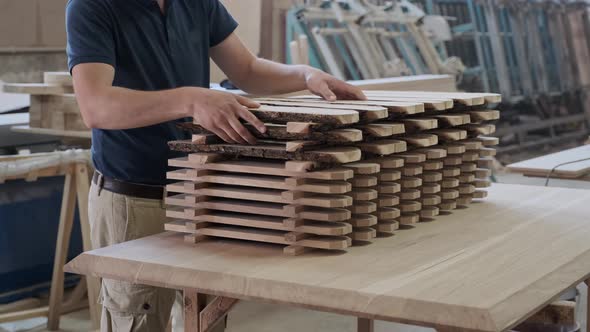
(127, 307)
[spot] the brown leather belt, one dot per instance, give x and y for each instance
(128, 188)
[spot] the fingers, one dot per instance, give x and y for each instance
(325, 92)
(245, 136)
(247, 102)
(245, 114)
(348, 91)
(221, 134)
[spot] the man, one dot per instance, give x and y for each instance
(138, 67)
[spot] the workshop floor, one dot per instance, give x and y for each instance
(256, 317)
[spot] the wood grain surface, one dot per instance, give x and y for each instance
(485, 268)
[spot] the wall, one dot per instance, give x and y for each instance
(32, 23)
(249, 16)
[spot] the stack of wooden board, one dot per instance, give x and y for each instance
(327, 173)
(53, 104)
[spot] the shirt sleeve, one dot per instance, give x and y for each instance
(90, 36)
(221, 23)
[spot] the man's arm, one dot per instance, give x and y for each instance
(107, 107)
(264, 77)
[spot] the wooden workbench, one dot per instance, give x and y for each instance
(485, 268)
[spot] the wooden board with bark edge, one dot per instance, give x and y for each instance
(367, 113)
(334, 155)
(282, 132)
(284, 114)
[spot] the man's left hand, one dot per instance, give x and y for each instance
(330, 88)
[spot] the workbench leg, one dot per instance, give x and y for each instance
(66, 221)
(93, 283)
(193, 304)
(365, 325)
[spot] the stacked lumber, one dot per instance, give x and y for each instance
(328, 175)
(53, 104)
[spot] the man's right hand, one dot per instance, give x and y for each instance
(220, 113)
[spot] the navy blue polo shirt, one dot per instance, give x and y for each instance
(150, 51)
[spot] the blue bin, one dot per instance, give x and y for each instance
(29, 218)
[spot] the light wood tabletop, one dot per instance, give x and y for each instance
(484, 268)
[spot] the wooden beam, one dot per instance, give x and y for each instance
(66, 221)
(215, 312)
(193, 304)
(93, 283)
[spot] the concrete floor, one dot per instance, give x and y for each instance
(257, 317)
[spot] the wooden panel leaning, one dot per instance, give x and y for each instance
(327, 175)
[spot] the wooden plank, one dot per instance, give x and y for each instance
(276, 237)
(387, 226)
(336, 155)
(544, 165)
(58, 78)
(453, 120)
(272, 278)
(449, 134)
(383, 129)
(420, 140)
(283, 132)
(419, 124)
(82, 179)
(255, 221)
(387, 201)
(433, 165)
(412, 157)
(66, 222)
(364, 181)
(265, 194)
(364, 168)
(388, 162)
(262, 208)
(363, 207)
(484, 115)
(367, 113)
(437, 103)
(395, 107)
(480, 129)
(491, 98)
(37, 88)
(215, 312)
(488, 141)
(430, 188)
(284, 114)
(363, 194)
(193, 304)
(52, 132)
(266, 167)
(383, 147)
(390, 175)
(362, 220)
